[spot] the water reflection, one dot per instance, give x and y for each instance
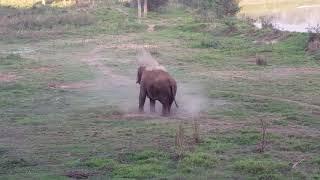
(293, 19)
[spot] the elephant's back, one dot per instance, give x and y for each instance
(155, 76)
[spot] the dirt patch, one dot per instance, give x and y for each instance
(79, 174)
(276, 73)
(8, 77)
(44, 69)
(128, 46)
(218, 125)
(77, 85)
(294, 130)
(229, 75)
(93, 59)
(285, 72)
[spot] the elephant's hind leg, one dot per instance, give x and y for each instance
(152, 105)
(142, 99)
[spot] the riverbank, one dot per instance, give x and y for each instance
(284, 15)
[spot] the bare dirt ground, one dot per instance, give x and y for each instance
(270, 74)
(8, 77)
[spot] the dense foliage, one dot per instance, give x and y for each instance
(214, 8)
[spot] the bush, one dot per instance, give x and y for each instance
(231, 25)
(261, 60)
(314, 39)
(207, 42)
(214, 8)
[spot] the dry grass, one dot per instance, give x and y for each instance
(196, 131)
(179, 140)
(263, 142)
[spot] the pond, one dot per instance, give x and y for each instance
(286, 15)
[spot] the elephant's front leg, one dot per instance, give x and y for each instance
(142, 99)
(152, 105)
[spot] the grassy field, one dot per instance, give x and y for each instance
(68, 99)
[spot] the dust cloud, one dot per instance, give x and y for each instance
(144, 58)
(112, 87)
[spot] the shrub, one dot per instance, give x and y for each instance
(267, 22)
(314, 39)
(208, 42)
(231, 24)
(261, 60)
(214, 8)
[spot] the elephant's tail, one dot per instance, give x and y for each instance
(176, 103)
(173, 94)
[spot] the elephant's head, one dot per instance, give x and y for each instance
(139, 74)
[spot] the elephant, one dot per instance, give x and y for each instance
(157, 85)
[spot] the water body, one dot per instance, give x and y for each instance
(287, 15)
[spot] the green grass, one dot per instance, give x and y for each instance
(193, 161)
(262, 168)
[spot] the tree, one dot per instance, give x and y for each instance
(151, 5)
(145, 8)
(139, 9)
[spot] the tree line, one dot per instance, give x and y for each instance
(206, 8)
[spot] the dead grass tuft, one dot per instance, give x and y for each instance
(261, 60)
(314, 39)
(179, 141)
(196, 131)
(262, 145)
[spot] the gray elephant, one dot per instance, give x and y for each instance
(157, 85)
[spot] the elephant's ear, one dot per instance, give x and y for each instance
(139, 74)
